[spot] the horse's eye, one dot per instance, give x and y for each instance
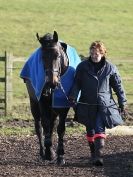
(57, 54)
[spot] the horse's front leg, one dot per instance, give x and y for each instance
(48, 132)
(47, 122)
(61, 133)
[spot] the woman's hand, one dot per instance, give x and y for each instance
(123, 111)
(72, 100)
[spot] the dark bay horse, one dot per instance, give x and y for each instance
(56, 63)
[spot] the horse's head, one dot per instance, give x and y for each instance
(53, 58)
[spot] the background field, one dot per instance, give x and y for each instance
(78, 23)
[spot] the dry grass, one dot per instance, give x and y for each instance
(121, 130)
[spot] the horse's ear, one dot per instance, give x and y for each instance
(37, 35)
(39, 38)
(55, 36)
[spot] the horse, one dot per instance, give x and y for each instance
(55, 62)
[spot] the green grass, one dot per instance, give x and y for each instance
(16, 130)
(7, 131)
(75, 130)
(77, 22)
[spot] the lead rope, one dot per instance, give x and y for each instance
(124, 115)
(79, 102)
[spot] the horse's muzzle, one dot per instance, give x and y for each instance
(47, 91)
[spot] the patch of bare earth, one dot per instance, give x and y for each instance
(19, 157)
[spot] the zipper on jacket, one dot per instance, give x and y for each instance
(97, 91)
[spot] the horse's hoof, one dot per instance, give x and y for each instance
(53, 154)
(46, 157)
(41, 158)
(98, 162)
(60, 161)
(42, 155)
(49, 154)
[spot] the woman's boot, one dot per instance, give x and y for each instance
(92, 150)
(99, 144)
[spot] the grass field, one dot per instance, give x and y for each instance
(78, 23)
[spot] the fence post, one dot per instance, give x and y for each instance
(8, 82)
(3, 80)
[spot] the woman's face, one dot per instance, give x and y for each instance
(96, 55)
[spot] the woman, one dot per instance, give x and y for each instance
(96, 109)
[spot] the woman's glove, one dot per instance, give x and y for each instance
(72, 100)
(123, 111)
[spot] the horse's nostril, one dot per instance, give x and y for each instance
(51, 85)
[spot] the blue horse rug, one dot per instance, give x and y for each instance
(34, 71)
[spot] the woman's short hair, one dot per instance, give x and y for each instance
(98, 45)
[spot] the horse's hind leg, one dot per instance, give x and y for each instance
(36, 115)
(38, 127)
(61, 133)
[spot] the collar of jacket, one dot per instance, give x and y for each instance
(101, 70)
